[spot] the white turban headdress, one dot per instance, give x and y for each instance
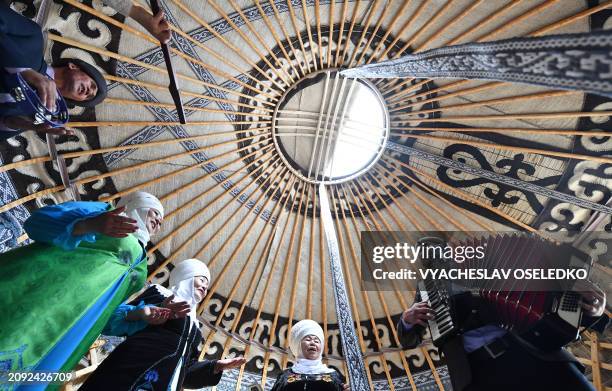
(137, 207)
(299, 331)
(182, 279)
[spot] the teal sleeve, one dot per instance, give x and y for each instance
(54, 224)
(118, 326)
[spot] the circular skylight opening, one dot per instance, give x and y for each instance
(329, 128)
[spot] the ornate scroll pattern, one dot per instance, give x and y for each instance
(570, 61)
(507, 182)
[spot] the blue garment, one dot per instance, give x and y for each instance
(474, 339)
(54, 224)
(118, 326)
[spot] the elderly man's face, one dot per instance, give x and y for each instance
(78, 86)
(311, 347)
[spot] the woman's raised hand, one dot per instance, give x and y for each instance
(110, 223)
(179, 309)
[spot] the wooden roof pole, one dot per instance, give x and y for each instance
(309, 32)
(330, 37)
(69, 155)
(541, 31)
(248, 41)
(347, 277)
(131, 102)
(217, 213)
(600, 159)
(298, 34)
(319, 38)
(187, 93)
(287, 77)
(285, 273)
(278, 42)
(94, 49)
(150, 39)
(281, 24)
(380, 295)
(340, 61)
(92, 124)
(447, 202)
(372, 10)
(311, 242)
(427, 202)
(178, 172)
(296, 271)
(560, 132)
(509, 99)
(322, 265)
(345, 4)
(94, 178)
(222, 39)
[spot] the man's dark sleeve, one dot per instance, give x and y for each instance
(202, 374)
(21, 41)
(410, 337)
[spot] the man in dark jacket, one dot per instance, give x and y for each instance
(22, 48)
(488, 357)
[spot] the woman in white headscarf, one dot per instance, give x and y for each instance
(163, 334)
(59, 292)
(308, 372)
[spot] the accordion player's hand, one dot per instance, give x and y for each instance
(418, 313)
(593, 298)
(46, 88)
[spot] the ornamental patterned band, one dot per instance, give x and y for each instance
(350, 344)
(568, 61)
(517, 183)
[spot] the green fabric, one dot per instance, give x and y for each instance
(45, 290)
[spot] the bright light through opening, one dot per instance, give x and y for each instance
(329, 128)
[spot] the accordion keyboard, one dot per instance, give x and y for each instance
(441, 327)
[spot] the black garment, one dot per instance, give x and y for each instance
(21, 41)
(22, 46)
(519, 368)
(291, 381)
(147, 359)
